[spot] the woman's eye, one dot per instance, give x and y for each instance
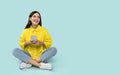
(38, 17)
(34, 16)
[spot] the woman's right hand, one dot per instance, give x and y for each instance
(28, 43)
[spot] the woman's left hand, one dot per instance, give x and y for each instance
(39, 42)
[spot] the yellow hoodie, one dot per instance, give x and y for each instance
(41, 35)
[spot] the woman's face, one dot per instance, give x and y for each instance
(35, 19)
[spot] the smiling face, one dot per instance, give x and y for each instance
(35, 19)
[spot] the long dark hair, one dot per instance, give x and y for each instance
(29, 22)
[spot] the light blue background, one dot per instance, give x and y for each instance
(85, 32)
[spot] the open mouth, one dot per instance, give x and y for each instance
(35, 21)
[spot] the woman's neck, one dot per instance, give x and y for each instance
(34, 26)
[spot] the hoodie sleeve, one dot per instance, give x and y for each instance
(22, 40)
(47, 39)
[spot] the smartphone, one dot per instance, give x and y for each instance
(33, 37)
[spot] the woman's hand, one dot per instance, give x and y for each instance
(39, 42)
(28, 43)
(33, 41)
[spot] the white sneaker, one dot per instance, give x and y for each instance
(24, 65)
(46, 66)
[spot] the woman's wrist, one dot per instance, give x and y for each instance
(27, 43)
(42, 43)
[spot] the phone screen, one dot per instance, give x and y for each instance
(33, 37)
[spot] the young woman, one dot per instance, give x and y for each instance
(35, 43)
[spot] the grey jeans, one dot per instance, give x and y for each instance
(25, 57)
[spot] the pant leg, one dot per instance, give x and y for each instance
(21, 55)
(48, 54)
